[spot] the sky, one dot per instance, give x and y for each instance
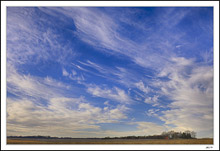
(109, 71)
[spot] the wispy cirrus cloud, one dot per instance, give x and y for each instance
(140, 85)
(105, 31)
(31, 86)
(152, 100)
(190, 87)
(32, 40)
(101, 30)
(65, 73)
(115, 93)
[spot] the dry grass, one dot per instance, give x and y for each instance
(109, 141)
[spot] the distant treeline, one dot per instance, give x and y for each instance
(164, 135)
(38, 136)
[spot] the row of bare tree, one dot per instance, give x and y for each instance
(165, 135)
(174, 135)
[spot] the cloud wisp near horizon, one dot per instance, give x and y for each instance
(109, 71)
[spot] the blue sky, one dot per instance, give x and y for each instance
(109, 71)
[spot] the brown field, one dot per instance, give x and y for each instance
(107, 141)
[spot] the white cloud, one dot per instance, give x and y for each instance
(74, 72)
(27, 85)
(152, 112)
(27, 116)
(190, 89)
(96, 66)
(126, 76)
(178, 46)
(152, 100)
(207, 56)
(114, 93)
(140, 85)
(103, 71)
(24, 117)
(172, 17)
(98, 30)
(106, 103)
(65, 73)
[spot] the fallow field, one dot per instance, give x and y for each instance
(107, 141)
